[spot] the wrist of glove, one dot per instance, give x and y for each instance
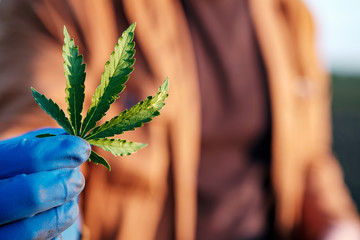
(39, 183)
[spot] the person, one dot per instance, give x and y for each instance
(242, 149)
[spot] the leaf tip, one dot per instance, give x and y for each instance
(107, 165)
(65, 32)
(132, 27)
(97, 159)
(165, 86)
(34, 92)
(142, 145)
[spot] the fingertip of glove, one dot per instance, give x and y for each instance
(61, 151)
(76, 148)
(86, 149)
(72, 209)
(69, 212)
(74, 182)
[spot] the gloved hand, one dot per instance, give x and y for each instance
(39, 182)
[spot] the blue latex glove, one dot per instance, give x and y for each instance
(39, 183)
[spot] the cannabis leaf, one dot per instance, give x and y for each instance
(53, 110)
(96, 158)
(112, 83)
(117, 147)
(75, 78)
(127, 120)
(116, 73)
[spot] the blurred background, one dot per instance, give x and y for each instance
(338, 44)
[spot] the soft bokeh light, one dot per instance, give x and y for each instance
(338, 33)
(338, 38)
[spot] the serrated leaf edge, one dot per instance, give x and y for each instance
(112, 144)
(74, 92)
(63, 121)
(91, 120)
(112, 123)
(97, 159)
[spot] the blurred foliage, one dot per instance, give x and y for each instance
(346, 128)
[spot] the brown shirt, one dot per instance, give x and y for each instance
(233, 201)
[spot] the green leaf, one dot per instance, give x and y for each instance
(117, 147)
(96, 158)
(135, 117)
(53, 110)
(115, 75)
(75, 78)
(45, 135)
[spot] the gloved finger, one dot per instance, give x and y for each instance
(73, 232)
(26, 195)
(46, 225)
(29, 155)
(60, 237)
